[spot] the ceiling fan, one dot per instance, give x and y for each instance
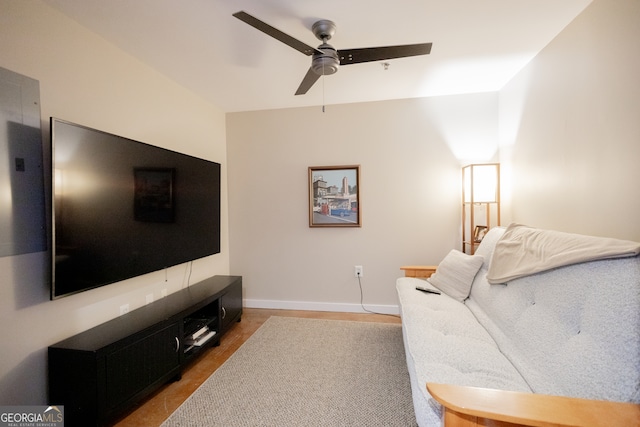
(326, 59)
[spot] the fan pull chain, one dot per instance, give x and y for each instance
(323, 87)
(323, 93)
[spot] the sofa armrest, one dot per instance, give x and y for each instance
(473, 406)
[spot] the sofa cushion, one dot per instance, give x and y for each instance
(455, 274)
(444, 343)
(573, 330)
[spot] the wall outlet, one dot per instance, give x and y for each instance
(358, 271)
(149, 298)
(124, 309)
(163, 293)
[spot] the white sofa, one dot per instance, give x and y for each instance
(573, 330)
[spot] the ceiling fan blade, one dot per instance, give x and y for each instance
(368, 54)
(276, 34)
(309, 79)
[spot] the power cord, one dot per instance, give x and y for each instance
(362, 302)
(187, 273)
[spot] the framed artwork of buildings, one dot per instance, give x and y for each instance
(334, 196)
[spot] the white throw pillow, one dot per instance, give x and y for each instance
(455, 274)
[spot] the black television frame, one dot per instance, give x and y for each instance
(164, 213)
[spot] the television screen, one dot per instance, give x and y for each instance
(122, 208)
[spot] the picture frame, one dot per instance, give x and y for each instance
(479, 233)
(154, 198)
(334, 196)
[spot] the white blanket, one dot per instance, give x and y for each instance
(523, 250)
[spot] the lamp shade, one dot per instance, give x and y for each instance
(480, 183)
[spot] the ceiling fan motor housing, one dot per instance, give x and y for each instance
(324, 29)
(326, 63)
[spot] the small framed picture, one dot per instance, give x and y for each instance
(334, 196)
(479, 232)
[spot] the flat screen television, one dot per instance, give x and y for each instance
(123, 208)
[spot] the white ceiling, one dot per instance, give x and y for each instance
(478, 45)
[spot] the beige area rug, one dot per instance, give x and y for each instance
(307, 372)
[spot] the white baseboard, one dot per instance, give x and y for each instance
(320, 306)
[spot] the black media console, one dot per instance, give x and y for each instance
(100, 373)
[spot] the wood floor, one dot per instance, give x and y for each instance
(155, 410)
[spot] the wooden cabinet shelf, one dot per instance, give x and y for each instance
(100, 373)
(419, 271)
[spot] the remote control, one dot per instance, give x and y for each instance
(427, 290)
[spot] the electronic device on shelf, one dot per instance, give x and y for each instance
(195, 326)
(197, 332)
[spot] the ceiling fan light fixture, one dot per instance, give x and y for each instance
(326, 63)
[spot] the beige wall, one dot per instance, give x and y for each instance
(410, 152)
(87, 81)
(570, 128)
